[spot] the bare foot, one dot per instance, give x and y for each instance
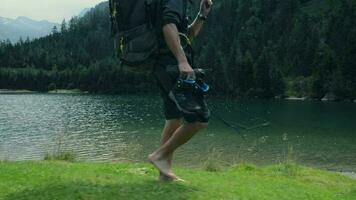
(164, 178)
(162, 165)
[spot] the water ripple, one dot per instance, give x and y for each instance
(101, 128)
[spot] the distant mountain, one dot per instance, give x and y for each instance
(24, 27)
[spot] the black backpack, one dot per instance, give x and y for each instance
(134, 26)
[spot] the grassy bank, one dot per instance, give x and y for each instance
(63, 180)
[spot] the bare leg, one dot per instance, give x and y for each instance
(170, 127)
(160, 158)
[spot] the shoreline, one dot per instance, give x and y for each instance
(6, 91)
(65, 91)
(59, 91)
(348, 174)
(292, 98)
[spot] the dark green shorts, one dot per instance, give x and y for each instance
(166, 76)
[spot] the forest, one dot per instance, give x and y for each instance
(254, 48)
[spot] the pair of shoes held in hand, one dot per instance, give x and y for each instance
(188, 94)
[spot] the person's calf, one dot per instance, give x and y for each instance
(170, 127)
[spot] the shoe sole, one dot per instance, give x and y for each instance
(176, 102)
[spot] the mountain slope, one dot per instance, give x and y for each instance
(24, 27)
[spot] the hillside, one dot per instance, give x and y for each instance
(23, 27)
(262, 48)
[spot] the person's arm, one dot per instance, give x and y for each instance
(171, 35)
(196, 26)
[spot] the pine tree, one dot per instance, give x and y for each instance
(64, 26)
(54, 30)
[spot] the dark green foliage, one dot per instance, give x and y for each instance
(306, 39)
(60, 156)
(251, 47)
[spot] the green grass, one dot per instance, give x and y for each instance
(64, 180)
(61, 156)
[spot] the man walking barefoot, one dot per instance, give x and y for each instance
(180, 126)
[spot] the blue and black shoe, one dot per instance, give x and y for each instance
(188, 95)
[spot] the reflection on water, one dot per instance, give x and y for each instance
(111, 128)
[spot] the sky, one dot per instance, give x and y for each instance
(51, 10)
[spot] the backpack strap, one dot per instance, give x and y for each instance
(153, 10)
(114, 11)
(149, 12)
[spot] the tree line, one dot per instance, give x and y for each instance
(254, 48)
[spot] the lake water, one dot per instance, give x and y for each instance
(119, 128)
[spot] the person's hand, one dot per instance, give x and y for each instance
(205, 7)
(186, 70)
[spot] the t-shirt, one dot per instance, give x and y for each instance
(174, 11)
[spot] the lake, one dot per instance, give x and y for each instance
(128, 128)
